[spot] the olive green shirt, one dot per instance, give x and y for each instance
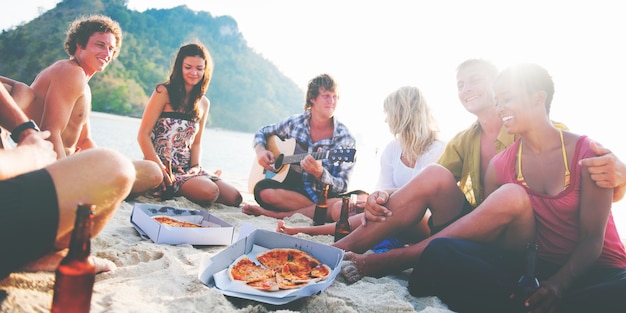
(462, 158)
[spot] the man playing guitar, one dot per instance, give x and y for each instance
(315, 130)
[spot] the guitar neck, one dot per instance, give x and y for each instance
(296, 158)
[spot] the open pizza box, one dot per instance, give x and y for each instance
(213, 271)
(214, 231)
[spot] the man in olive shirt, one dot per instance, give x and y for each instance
(436, 188)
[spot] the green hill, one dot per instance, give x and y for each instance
(246, 92)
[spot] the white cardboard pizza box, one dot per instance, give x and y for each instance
(213, 270)
(218, 231)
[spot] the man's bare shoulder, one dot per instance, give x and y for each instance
(67, 70)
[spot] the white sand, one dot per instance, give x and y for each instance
(163, 278)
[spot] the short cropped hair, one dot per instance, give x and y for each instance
(81, 29)
(490, 69)
(532, 78)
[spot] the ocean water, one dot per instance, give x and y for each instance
(227, 150)
(232, 153)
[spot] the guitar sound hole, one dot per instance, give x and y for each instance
(279, 161)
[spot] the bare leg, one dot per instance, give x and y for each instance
(285, 200)
(505, 217)
(97, 176)
(326, 229)
(433, 188)
(148, 176)
(200, 189)
(229, 195)
(309, 211)
(204, 191)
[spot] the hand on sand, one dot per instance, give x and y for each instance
(350, 267)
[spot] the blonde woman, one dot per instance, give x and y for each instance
(416, 145)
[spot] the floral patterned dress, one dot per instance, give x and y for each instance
(172, 136)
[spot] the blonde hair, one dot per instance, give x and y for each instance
(411, 121)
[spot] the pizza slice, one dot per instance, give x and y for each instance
(170, 221)
(286, 283)
(303, 273)
(321, 272)
(276, 258)
(268, 284)
(246, 270)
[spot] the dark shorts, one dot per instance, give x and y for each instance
(470, 276)
(467, 207)
(292, 182)
(29, 218)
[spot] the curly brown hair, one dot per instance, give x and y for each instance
(81, 29)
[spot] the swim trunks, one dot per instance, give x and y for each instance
(29, 216)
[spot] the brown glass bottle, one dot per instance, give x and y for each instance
(76, 275)
(342, 227)
(319, 217)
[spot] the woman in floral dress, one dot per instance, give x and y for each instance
(171, 131)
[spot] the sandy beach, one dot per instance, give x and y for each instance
(163, 278)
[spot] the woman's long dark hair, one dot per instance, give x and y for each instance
(176, 83)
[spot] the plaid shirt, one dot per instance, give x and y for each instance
(297, 126)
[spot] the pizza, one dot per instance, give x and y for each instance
(280, 269)
(170, 221)
(254, 275)
(277, 258)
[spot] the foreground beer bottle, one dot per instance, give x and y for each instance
(319, 217)
(528, 283)
(75, 275)
(342, 227)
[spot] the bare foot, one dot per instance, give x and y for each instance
(50, 262)
(218, 172)
(102, 265)
(256, 210)
(252, 209)
(282, 228)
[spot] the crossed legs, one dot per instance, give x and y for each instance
(505, 217)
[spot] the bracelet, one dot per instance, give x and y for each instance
(196, 165)
(15, 134)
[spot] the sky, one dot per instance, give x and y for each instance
(374, 47)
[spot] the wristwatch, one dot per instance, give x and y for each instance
(15, 134)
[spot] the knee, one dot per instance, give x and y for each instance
(148, 171)
(118, 169)
(267, 195)
(234, 200)
(434, 177)
(515, 197)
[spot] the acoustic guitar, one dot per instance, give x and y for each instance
(283, 151)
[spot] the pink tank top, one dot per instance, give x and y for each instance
(557, 216)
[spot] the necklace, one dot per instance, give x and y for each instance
(520, 176)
